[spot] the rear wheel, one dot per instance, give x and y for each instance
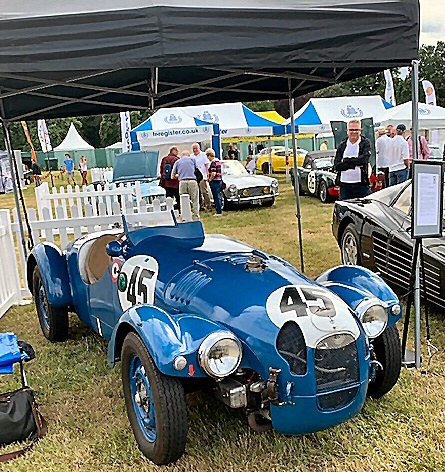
(323, 192)
(265, 168)
(155, 403)
(388, 352)
(350, 253)
(53, 321)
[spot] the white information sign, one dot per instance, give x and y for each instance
(427, 200)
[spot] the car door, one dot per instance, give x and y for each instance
(279, 161)
(304, 172)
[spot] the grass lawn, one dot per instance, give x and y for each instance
(83, 402)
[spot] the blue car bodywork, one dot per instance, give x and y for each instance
(140, 166)
(304, 363)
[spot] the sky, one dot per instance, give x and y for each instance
(432, 17)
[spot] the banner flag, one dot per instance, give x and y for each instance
(430, 93)
(125, 130)
(43, 133)
(28, 138)
(389, 89)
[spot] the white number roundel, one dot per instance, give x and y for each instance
(311, 181)
(316, 310)
(137, 281)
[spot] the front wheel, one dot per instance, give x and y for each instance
(268, 203)
(53, 321)
(388, 352)
(350, 253)
(323, 192)
(155, 404)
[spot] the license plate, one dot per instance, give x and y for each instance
(255, 201)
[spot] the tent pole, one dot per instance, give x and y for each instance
(15, 181)
(296, 176)
(415, 143)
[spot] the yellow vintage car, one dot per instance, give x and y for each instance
(278, 159)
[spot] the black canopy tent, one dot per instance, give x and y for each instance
(67, 58)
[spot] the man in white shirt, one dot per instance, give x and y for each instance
(381, 146)
(398, 157)
(202, 163)
(351, 163)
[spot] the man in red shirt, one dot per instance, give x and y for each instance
(167, 181)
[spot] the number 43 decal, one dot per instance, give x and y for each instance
(137, 281)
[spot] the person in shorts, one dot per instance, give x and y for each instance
(69, 168)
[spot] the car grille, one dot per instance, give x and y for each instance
(393, 261)
(336, 400)
(336, 366)
(149, 198)
(254, 192)
(291, 345)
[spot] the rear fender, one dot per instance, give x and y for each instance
(165, 337)
(355, 283)
(53, 268)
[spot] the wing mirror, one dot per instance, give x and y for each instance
(114, 249)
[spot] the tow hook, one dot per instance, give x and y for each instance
(375, 365)
(272, 386)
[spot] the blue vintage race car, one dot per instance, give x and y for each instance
(182, 310)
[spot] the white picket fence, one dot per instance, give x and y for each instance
(66, 214)
(10, 290)
(101, 174)
(126, 195)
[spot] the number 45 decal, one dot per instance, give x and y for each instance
(137, 281)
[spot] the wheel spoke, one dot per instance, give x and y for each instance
(142, 399)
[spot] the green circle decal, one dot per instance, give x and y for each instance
(122, 282)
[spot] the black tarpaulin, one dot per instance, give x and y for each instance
(90, 57)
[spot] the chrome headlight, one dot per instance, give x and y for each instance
(373, 315)
(274, 184)
(232, 188)
(220, 354)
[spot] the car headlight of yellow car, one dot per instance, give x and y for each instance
(220, 354)
(373, 315)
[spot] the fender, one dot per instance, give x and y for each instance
(353, 283)
(53, 267)
(165, 337)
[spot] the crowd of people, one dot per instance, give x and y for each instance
(193, 174)
(394, 156)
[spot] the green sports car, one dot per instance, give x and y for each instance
(317, 177)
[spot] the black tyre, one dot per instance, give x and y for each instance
(53, 321)
(155, 404)
(225, 204)
(349, 246)
(323, 192)
(265, 168)
(268, 203)
(389, 353)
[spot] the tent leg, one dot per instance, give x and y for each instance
(296, 177)
(15, 185)
(415, 105)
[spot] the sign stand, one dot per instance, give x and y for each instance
(426, 222)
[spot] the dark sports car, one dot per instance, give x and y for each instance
(375, 232)
(317, 176)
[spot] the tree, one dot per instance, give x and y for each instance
(263, 105)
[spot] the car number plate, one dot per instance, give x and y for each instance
(255, 201)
